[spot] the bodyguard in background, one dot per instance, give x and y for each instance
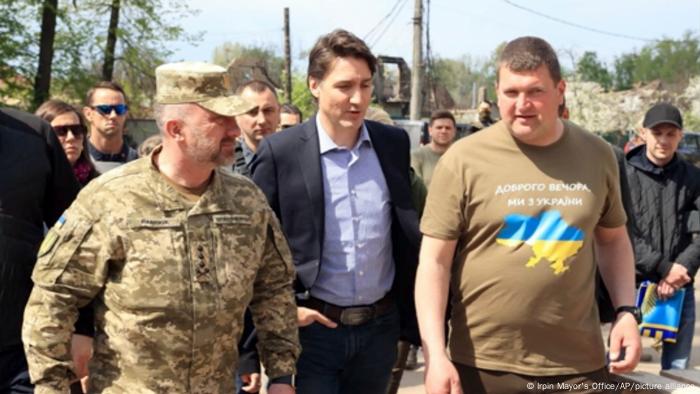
(665, 195)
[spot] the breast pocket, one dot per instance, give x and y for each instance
(237, 251)
(152, 277)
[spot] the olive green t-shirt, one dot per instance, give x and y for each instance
(523, 275)
(423, 161)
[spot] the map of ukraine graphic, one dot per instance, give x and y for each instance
(550, 237)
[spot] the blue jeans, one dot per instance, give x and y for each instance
(348, 359)
(239, 384)
(14, 374)
(676, 355)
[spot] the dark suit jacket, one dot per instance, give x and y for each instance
(287, 167)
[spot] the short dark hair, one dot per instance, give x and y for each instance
(289, 108)
(257, 86)
(338, 43)
(52, 108)
(103, 85)
(527, 54)
(442, 114)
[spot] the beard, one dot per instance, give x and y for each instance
(221, 153)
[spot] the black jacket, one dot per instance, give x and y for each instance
(287, 167)
(37, 186)
(240, 166)
(664, 214)
(249, 359)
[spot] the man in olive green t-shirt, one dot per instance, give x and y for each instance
(442, 130)
(509, 225)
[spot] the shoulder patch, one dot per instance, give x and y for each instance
(51, 237)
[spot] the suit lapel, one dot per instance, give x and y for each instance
(310, 164)
(385, 155)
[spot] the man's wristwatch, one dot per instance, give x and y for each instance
(631, 309)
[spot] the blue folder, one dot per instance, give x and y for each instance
(660, 318)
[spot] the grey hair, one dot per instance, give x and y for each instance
(162, 113)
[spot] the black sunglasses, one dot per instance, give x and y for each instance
(105, 109)
(78, 130)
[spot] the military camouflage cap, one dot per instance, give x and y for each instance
(205, 84)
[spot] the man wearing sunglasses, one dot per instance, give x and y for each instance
(106, 111)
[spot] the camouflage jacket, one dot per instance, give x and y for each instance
(171, 280)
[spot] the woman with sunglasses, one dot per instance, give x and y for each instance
(71, 130)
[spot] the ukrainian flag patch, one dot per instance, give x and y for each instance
(51, 237)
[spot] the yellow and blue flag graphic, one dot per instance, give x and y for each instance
(51, 237)
(548, 234)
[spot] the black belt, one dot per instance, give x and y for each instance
(350, 315)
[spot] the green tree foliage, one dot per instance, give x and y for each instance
(262, 62)
(255, 62)
(672, 61)
(301, 95)
(691, 122)
(17, 50)
(589, 68)
(460, 76)
(623, 75)
(146, 27)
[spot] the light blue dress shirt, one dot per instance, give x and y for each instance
(357, 266)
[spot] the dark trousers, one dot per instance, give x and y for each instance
(478, 381)
(399, 367)
(14, 374)
(348, 359)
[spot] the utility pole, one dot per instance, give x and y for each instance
(287, 59)
(417, 71)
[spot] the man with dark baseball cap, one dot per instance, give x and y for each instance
(665, 194)
(170, 249)
(663, 113)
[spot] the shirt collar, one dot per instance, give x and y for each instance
(101, 156)
(638, 157)
(247, 152)
(326, 144)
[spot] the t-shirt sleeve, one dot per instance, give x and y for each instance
(444, 213)
(613, 213)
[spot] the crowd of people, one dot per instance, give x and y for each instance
(327, 250)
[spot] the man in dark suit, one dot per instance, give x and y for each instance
(341, 190)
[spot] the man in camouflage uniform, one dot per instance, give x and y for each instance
(172, 249)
